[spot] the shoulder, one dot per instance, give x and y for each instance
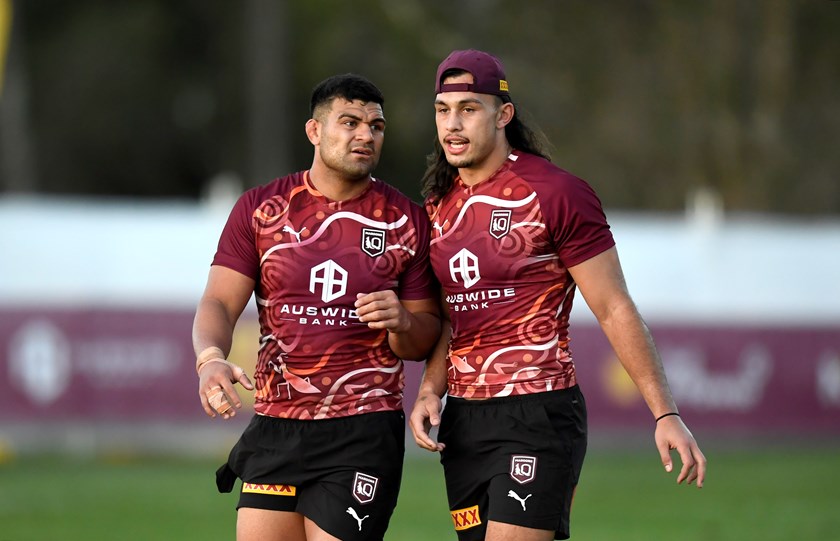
(546, 178)
(395, 197)
(282, 186)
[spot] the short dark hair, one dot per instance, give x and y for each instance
(348, 86)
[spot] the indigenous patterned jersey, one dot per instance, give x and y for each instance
(310, 256)
(501, 250)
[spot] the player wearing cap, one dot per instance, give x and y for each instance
(338, 263)
(514, 237)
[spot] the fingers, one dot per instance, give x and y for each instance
(216, 391)
(665, 454)
(240, 376)
(217, 400)
(693, 461)
(425, 415)
(380, 310)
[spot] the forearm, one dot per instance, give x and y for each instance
(415, 342)
(633, 344)
(435, 372)
(212, 327)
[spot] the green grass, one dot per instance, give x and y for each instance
(761, 495)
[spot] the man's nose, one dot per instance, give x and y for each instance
(364, 132)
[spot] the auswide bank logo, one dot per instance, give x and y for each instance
(463, 267)
(332, 279)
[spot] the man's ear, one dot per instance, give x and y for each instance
(313, 131)
(504, 115)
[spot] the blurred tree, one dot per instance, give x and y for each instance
(17, 170)
(267, 62)
(647, 100)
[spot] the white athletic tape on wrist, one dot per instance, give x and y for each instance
(208, 355)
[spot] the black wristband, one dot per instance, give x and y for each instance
(666, 415)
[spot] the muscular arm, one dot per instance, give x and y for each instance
(225, 296)
(601, 281)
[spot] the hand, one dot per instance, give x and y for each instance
(220, 376)
(382, 310)
(424, 416)
(671, 433)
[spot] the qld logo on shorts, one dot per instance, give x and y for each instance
(500, 223)
(523, 468)
(373, 241)
(364, 487)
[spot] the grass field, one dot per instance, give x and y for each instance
(749, 495)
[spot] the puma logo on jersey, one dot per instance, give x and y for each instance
(516, 497)
(352, 513)
(439, 227)
(288, 229)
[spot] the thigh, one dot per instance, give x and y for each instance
(513, 461)
(355, 487)
(315, 533)
(499, 531)
(264, 525)
(541, 463)
(467, 468)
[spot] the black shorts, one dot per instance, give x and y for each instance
(514, 459)
(343, 474)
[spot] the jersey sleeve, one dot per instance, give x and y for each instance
(417, 280)
(580, 230)
(237, 245)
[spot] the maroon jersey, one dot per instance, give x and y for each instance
(501, 250)
(310, 256)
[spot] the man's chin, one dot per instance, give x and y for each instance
(357, 173)
(459, 162)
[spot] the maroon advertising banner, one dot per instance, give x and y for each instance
(98, 365)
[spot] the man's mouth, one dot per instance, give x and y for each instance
(456, 145)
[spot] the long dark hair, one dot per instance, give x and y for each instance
(439, 175)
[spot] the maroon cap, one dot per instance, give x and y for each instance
(487, 71)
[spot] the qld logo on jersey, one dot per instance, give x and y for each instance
(523, 468)
(464, 265)
(373, 241)
(500, 223)
(331, 277)
(364, 487)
